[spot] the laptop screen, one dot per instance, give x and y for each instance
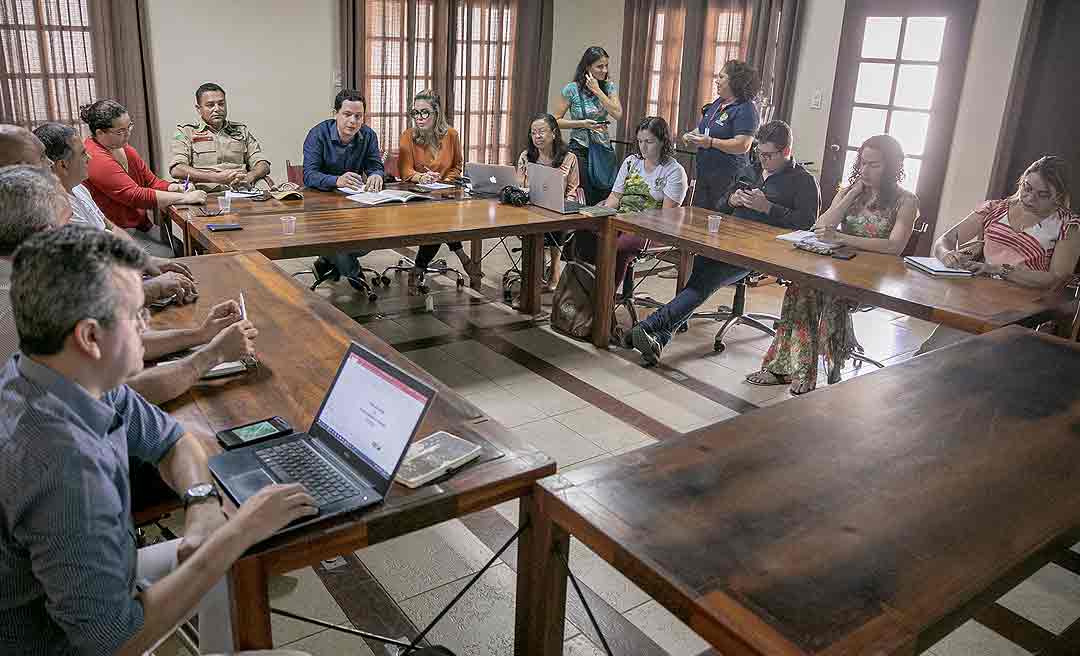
(372, 413)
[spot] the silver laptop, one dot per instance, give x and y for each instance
(348, 458)
(491, 178)
(547, 189)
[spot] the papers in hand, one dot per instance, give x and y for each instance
(433, 456)
(934, 267)
(386, 196)
(807, 237)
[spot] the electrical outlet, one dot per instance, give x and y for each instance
(816, 100)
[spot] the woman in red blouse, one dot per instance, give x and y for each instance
(120, 182)
(1031, 238)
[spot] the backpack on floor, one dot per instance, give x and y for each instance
(572, 308)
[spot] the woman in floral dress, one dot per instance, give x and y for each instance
(873, 214)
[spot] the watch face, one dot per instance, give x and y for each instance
(200, 490)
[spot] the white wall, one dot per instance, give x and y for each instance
(578, 24)
(818, 47)
(994, 46)
(275, 58)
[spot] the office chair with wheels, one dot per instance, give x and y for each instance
(359, 283)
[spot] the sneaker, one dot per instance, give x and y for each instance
(646, 345)
(324, 269)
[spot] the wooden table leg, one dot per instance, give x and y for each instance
(250, 605)
(686, 267)
(532, 273)
(604, 295)
(476, 251)
(188, 250)
(540, 615)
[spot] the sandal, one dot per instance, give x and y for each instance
(800, 387)
(766, 378)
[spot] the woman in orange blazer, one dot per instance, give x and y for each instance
(431, 152)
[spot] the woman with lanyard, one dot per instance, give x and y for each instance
(589, 100)
(725, 133)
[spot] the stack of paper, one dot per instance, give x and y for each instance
(807, 237)
(934, 267)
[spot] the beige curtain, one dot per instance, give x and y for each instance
(47, 65)
(479, 55)
(772, 48)
(122, 58)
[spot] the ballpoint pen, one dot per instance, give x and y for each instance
(243, 307)
(187, 183)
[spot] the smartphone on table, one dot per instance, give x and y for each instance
(257, 431)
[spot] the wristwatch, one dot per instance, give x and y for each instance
(1006, 269)
(200, 492)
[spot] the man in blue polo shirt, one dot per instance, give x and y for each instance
(342, 152)
(74, 582)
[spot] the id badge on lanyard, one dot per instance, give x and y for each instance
(712, 120)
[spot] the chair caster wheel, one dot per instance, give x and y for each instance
(385, 280)
(508, 296)
(683, 328)
(422, 288)
(375, 281)
(460, 282)
(372, 297)
(718, 347)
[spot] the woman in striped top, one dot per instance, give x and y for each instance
(1030, 238)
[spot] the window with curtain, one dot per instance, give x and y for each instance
(399, 42)
(47, 67)
(695, 40)
(484, 43)
(410, 45)
(652, 104)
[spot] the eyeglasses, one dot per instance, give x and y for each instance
(1026, 188)
(767, 155)
(540, 133)
(420, 113)
(123, 131)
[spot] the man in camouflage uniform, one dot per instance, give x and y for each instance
(215, 153)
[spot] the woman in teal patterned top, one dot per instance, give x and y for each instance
(874, 213)
(586, 104)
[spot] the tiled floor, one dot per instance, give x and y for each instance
(579, 405)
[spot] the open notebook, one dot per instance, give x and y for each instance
(386, 196)
(934, 267)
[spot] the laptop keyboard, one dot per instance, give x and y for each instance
(297, 461)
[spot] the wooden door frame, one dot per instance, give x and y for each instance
(1000, 185)
(955, 50)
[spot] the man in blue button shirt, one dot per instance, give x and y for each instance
(342, 152)
(74, 582)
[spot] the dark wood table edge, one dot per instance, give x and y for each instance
(870, 297)
(556, 521)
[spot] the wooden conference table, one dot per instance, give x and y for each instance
(300, 344)
(871, 517)
(974, 305)
(328, 223)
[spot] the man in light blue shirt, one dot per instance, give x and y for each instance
(68, 425)
(342, 152)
